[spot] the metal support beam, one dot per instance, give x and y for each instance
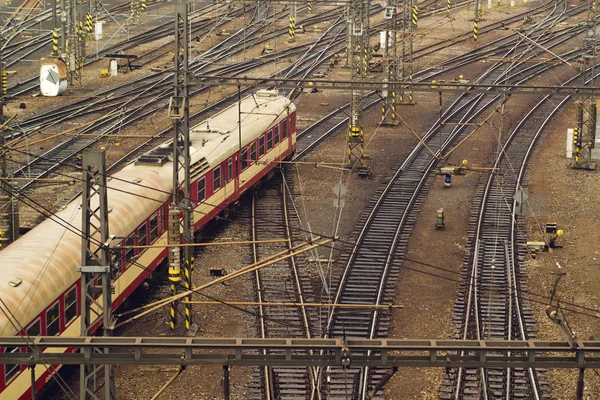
(292, 25)
(179, 114)
(358, 25)
(96, 273)
(585, 122)
(409, 24)
(391, 63)
(446, 87)
(74, 46)
(225, 382)
(476, 20)
(385, 353)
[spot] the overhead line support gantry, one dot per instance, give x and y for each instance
(96, 272)
(358, 48)
(181, 259)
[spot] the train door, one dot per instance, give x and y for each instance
(236, 175)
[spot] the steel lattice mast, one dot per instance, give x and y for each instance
(584, 134)
(358, 26)
(96, 272)
(74, 45)
(390, 53)
(179, 114)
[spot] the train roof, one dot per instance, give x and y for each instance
(216, 138)
(38, 267)
(42, 264)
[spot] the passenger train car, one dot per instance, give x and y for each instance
(39, 283)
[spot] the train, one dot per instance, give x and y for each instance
(39, 282)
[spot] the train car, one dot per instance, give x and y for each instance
(39, 284)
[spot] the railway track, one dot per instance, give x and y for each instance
(491, 301)
(373, 262)
(282, 282)
(52, 159)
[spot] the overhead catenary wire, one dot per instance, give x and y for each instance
(375, 252)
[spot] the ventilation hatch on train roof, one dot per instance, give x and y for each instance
(199, 167)
(156, 156)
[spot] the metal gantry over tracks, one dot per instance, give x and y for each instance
(295, 352)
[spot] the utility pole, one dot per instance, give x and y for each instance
(584, 133)
(54, 52)
(9, 223)
(409, 22)
(292, 27)
(390, 53)
(358, 25)
(179, 114)
(476, 21)
(96, 272)
(74, 45)
(4, 194)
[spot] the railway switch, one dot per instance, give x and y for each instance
(439, 223)
(448, 181)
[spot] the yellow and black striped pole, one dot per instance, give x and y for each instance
(54, 43)
(292, 29)
(415, 15)
(143, 5)
(410, 92)
(593, 6)
(188, 285)
(173, 237)
(448, 7)
(3, 76)
(309, 6)
(88, 24)
(576, 144)
(475, 30)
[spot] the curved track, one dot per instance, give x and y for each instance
(491, 304)
(373, 263)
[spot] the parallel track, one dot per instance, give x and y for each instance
(491, 305)
(373, 263)
(285, 281)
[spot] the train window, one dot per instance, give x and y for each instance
(142, 235)
(11, 370)
(284, 129)
(230, 169)
(261, 146)
(269, 140)
(53, 320)
(276, 135)
(217, 179)
(130, 252)
(201, 189)
(244, 156)
(253, 152)
(34, 329)
(153, 227)
(70, 305)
